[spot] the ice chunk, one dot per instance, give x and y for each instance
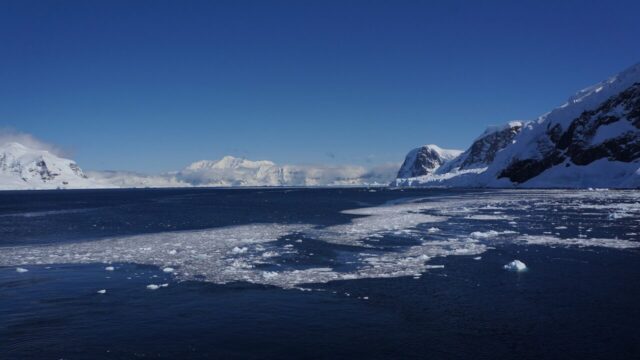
(239, 250)
(21, 270)
(168, 269)
(109, 268)
(153, 287)
(103, 291)
(489, 234)
(516, 265)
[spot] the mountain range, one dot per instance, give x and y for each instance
(592, 140)
(23, 167)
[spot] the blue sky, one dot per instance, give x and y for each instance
(154, 85)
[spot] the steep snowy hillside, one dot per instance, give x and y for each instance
(26, 168)
(425, 160)
(593, 140)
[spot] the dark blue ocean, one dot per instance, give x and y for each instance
(319, 274)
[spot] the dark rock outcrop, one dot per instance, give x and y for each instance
(578, 144)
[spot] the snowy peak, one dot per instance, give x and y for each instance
(22, 167)
(229, 162)
(425, 160)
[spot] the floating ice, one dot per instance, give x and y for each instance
(578, 242)
(516, 265)
(489, 234)
(489, 217)
(109, 268)
(21, 270)
(252, 253)
(103, 291)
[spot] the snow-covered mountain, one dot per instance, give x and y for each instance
(22, 167)
(232, 171)
(425, 160)
(593, 140)
(27, 168)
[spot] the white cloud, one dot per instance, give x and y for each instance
(8, 135)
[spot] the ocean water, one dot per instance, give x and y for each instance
(319, 273)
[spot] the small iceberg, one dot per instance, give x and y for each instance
(516, 265)
(103, 291)
(21, 270)
(156, 287)
(168, 270)
(109, 268)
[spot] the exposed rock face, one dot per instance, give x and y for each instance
(484, 150)
(611, 131)
(425, 160)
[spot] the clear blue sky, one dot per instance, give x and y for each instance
(155, 85)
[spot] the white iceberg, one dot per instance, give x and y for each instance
(516, 265)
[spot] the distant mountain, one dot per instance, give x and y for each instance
(593, 140)
(232, 171)
(22, 167)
